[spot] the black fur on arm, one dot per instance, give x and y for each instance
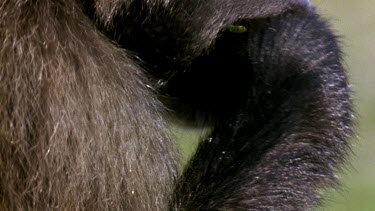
(282, 112)
(276, 95)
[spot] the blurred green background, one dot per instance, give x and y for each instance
(355, 22)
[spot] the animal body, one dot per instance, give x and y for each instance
(82, 126)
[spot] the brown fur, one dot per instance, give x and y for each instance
(79, 129)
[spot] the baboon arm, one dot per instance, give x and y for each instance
(287, 137)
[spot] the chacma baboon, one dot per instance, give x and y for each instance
(82, 126)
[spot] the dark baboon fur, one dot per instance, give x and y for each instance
(82, 126)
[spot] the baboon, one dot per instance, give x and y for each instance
(88, 86)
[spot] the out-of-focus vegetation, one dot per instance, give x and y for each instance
(354, 21)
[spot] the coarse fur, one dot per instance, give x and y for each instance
(82, 126)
